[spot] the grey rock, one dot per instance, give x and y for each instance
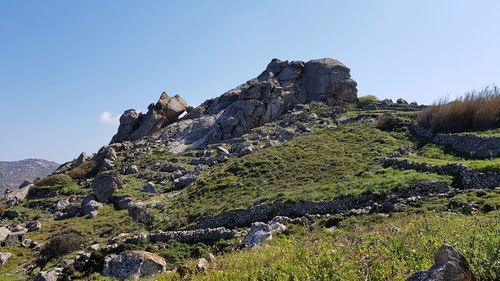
(82, 158)
(149, 188)
(4, 233)
(34, 226)
(260, 232)
(49, 275)
(131, 170)
(134, 126)
(123, 202)
(401, 101)
(105, 185)
(138, 211)
(134, 265)
(4, 257)
(449, 265)
(185, 180)
(90, 206)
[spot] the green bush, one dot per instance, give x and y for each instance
(62, 245)
(82, 171)
(369, 99)
(52, 180)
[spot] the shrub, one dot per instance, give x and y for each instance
(52, 180)
(82, 171)
(369, 99)
(62, 245)
(476, 110)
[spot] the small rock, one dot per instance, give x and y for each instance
(90, 207)
(149, 188)
(132, 170)
(50, 275)
(4, 257)
(95, 247)
(34, 226)
(202, 264)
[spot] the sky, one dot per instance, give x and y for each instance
(68, 69)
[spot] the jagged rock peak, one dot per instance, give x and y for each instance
(261, 100)
(135, 125)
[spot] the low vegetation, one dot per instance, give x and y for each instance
(476, 110)
(53, 180)
(366, 100)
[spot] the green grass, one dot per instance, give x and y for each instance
(365, 248)
(433, 154)
(321, 166)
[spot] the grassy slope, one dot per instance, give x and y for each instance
(328, 163)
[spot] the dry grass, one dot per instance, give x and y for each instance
(475, 111)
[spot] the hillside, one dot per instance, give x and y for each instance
(289, 176)
(12, 174)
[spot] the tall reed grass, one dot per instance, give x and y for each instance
(474, 111)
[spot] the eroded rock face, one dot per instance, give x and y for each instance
(135, 125)
(449, 265)
(278, 89)
(133, 264)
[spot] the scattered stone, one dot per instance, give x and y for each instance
(4, 233)
(4, 257)
(449, 265)
(133, 264)
(138, 211)
(95, 247)
(123, 202)
(185, 180)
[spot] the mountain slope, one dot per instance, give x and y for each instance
(12, 174)
(323, 188)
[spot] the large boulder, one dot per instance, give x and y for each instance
(134, 265)
(449, 265)
(134, 125)
(105, 185)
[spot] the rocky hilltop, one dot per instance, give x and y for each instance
(12, 174)
(292, 160)
(278, 89)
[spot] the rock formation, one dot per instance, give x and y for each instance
(135, 125)
(279, 88)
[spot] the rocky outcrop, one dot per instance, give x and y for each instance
(467, 144)
(133, 264)
(449, 265)
(278, 89)
(135, 125)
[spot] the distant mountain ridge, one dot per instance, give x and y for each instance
(13, 173)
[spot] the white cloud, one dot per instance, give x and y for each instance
(108, 119)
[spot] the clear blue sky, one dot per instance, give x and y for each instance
(64, 63)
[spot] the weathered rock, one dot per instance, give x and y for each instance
(49, 275)
(82, 158)
(90, 206)
(34, 226)
(401, 101)
(149, 188)
(123, 202)
(134, 126)
(4, 257)
(133, 264)
(387, 121)
(260, 232)
(202, 264)
(131, 170)
(4, 233)
(138, 211)
(449, 265)
(185, 180)
(105, 185)
(15, 197)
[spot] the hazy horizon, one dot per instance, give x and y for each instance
(69, 69)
